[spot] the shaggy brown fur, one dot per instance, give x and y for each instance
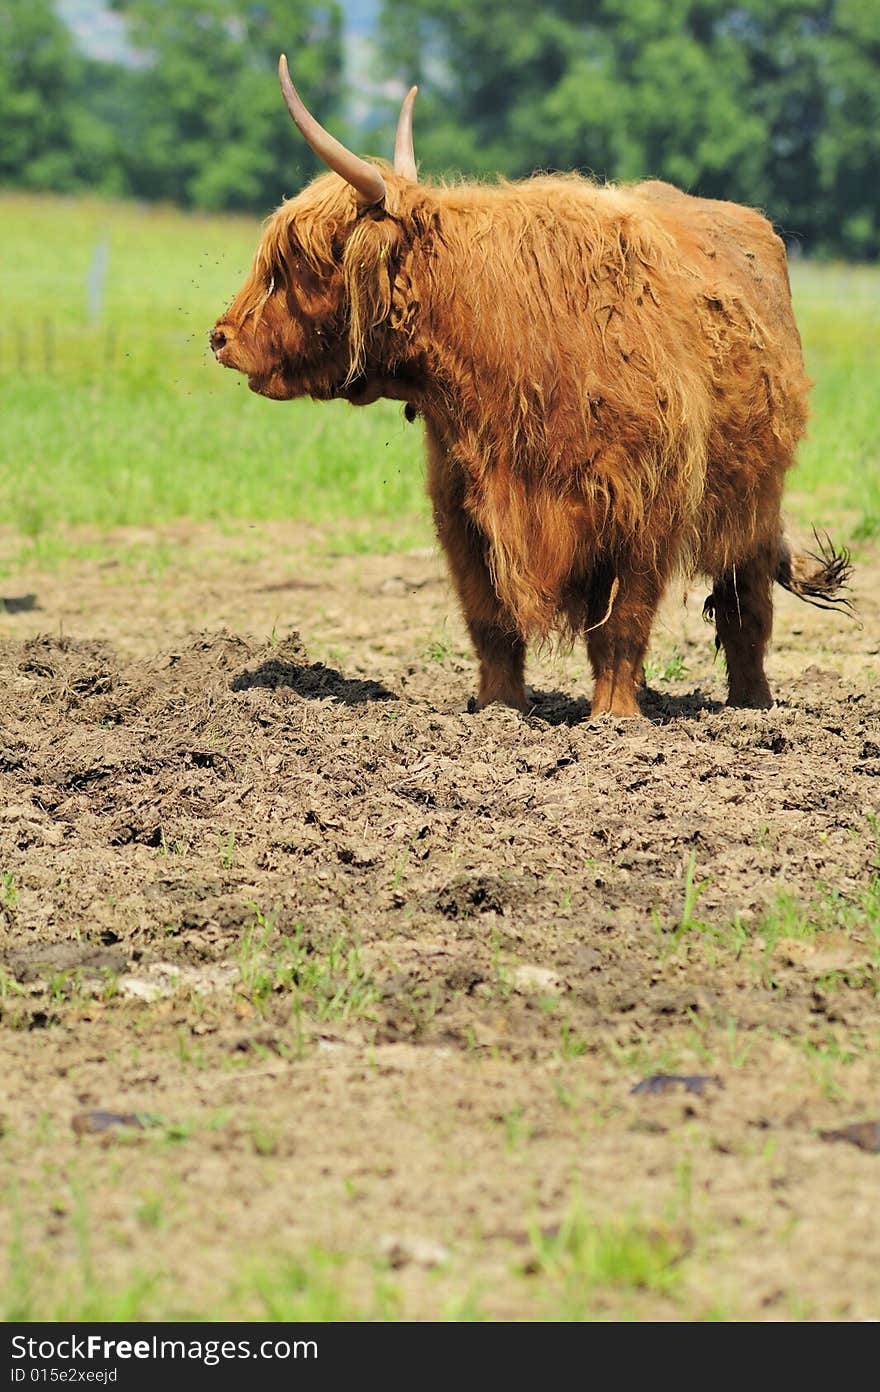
(612, 386)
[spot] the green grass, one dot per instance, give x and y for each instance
(584, 1257)
(308, 1288)
(332, 985)
(784, 918)
(838, 310)
(673, 669)
(127, 420)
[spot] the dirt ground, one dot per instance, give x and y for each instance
(374, 978)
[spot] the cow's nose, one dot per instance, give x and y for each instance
(218, 340)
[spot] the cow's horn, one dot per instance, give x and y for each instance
(364, 178)
(404, 154)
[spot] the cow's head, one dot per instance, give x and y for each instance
(322, 282)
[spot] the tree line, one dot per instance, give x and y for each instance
(770, 102)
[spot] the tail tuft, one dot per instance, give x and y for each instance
(821, 578)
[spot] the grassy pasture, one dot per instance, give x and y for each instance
(125, 419)
(114, 413)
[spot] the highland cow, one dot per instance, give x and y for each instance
(611, 383)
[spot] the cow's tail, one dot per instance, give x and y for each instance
(820, 577)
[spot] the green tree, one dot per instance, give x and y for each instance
(205, 125)
(49, 138)
(769, 102)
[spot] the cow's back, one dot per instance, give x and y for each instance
(730, 244)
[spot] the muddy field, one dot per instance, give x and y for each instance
(374, 978)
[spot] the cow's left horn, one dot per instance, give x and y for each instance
(364, 178)
(404, 154)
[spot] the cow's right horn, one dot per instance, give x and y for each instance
(404, 154)
(364, 178)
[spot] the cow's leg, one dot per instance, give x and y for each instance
(499, 646)
(743, 607)
(501, 652)
(500, 649)
(620, 619)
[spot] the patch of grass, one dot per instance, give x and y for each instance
(8, 898)
(826, 1059)
(737, 1050)
(838, 311)
(38, 1289)
(10, 987)
(331, 985)
(501, 983)
(687, 923)
(226, 847)
(399, 865)
(264, 1139)
(178, 847)
(570, 1046)
(311, 1288)
(831, 911)
(439, 648)
(785, 917)
(586, 1255)
(692, 890)
(673, 669)
(516, 1129)
(647, 1057)
(150, 1212)
(65, 985)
